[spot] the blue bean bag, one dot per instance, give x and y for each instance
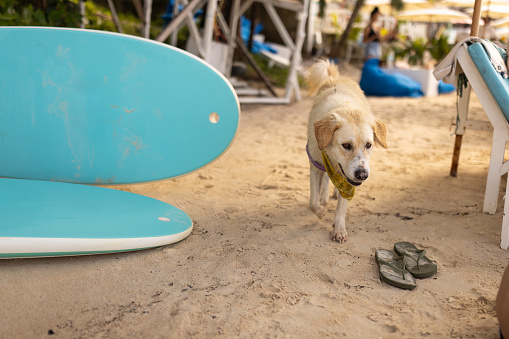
(444, 88)
(375, 81)
(245, 32)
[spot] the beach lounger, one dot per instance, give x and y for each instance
(485, 70)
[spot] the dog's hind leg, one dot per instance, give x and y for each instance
(319, 183)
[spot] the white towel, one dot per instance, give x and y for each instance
(448, 68)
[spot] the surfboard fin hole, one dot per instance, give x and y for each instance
(214, 117)
(164, 219)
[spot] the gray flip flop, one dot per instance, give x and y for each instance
(418, 264)
(392, 269)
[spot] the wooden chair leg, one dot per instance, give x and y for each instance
(456, 156)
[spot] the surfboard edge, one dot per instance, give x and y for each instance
(12, 247)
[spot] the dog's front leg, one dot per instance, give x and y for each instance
(339, 233)
(319, 185)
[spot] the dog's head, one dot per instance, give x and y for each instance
(348, 140)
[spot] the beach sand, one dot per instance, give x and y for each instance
(259, 263)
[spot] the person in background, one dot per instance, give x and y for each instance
(372, 37)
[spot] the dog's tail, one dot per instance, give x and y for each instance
(323, 73)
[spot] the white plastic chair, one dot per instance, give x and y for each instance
(491, 100)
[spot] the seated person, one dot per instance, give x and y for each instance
(372, 37)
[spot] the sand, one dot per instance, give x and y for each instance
(259, 263)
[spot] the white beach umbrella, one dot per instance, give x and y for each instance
(385, 5)
(497, 11)
(492, 8)
(471, 3)
(500, 22)
(434, 14)
(504, 31)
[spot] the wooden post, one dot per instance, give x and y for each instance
(176, 21)
(476, 16)
(175, 12)
(474, 31)
(297, 53)
(208, 30)
(139, 10)
(234, 21)
(456, 155)
(82, 13)
(461, 126)
(148, 15)
(114, 16)
(253, 18)
(252, 62)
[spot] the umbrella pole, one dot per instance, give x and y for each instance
(474, 31)
(476, 16)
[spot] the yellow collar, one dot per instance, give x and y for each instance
(345, 188)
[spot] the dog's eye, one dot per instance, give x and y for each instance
(347, 146)
(368, 145)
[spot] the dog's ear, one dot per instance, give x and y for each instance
(324, 130)
(380, 132)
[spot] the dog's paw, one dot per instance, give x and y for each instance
(319, 210)
(339, 235)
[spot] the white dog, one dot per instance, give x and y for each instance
(341, 134)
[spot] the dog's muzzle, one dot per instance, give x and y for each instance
(350, 181)
(361, 174)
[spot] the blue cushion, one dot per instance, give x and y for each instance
(497, 85)
(375, 81)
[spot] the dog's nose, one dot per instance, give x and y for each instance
(361, 174)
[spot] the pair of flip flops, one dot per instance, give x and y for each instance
(401, 267)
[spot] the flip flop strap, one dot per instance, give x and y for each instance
(421, 254)
(404, 259)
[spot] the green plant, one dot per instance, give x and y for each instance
(58, 13)
(439, 48)
(99, 17)
(413, 51)
(355, 31)
(66, 13)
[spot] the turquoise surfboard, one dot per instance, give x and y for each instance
(95, 107)
(45, 219)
